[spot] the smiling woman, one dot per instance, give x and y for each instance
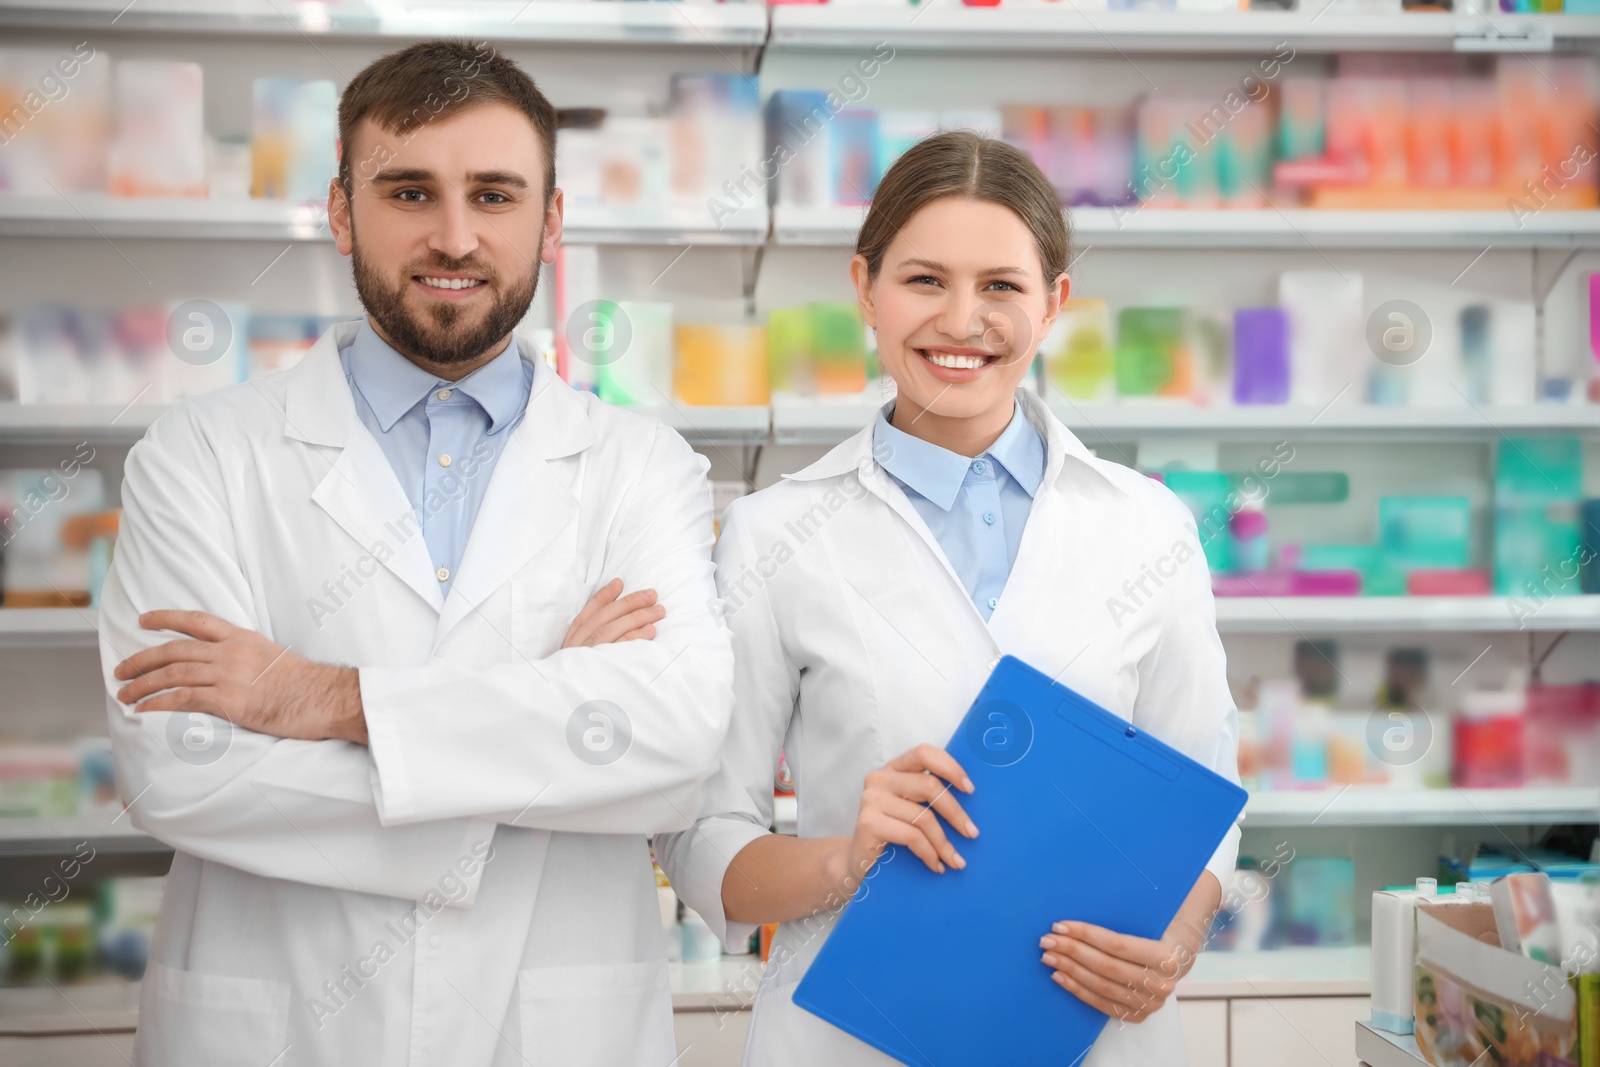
(965, 523)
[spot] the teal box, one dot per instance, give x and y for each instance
(1379, 575)
(1206, 494)
(1425, 532)
(1536, 549)
(1538, 468)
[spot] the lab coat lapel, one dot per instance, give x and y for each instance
(527, 502)
(902, 604)
(359, 491)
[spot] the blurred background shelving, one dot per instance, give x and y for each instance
(82, 265)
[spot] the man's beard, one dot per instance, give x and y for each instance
(438, 336)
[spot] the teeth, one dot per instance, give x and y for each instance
(452, 283)
(951, 361)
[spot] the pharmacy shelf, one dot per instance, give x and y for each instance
(96, 215)
(122, 424)
(53, 837)
(715, 425)
(739, 25)
(1264, 228)
(1359, 805)
(1343, 420)
(1330, 971)
(242, 218)
(1379, 1048)
(1071, 27)
(1312, 616)
(48, 628)
(104, 1004)
(729, 983)
(60, 423)
(819, 421)
(813, 421)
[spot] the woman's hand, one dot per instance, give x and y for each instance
(893, 810)
(1126, 977)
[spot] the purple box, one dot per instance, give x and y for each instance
(1260, 356)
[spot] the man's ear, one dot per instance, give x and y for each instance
(339, 217)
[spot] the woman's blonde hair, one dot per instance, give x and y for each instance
(962, 163)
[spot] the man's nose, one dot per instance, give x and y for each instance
(456, 234)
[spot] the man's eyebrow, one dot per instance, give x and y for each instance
(500, 177)
(394, 176)
(942, 269)
(482, 177)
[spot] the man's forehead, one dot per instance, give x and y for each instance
(480, 138)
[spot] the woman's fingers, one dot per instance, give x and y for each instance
(1123, 972)
(935, 793)
(923, 821)
(936, 761)
(1112, 1008)
(892, 831)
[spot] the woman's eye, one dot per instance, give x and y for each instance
(1007, 285)
(922, 279)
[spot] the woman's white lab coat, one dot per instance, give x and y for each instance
(474, 888)
(854, 640)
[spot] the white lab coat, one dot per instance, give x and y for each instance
(854, 640)
(291, 931)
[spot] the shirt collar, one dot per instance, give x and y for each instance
(937, 473)
(393, 385)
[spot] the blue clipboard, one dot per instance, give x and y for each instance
(1080, 816)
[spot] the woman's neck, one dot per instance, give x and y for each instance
(967, 435)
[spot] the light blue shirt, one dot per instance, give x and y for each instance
(977, 507)
(442, 438)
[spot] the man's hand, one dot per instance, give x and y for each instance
(1126, 977)
(605, 618)
(238, 675)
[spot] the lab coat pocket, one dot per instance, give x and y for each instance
(187, 1019)
(598, 1015)
(542, 609)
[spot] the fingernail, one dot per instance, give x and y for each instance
(957, 861)
(972, 828)
(1050, 961)
(1047, 941)
(939, 867)
(966, 783)
(1061, 928)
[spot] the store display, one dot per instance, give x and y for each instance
(294, 147)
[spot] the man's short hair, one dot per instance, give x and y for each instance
(405, 90)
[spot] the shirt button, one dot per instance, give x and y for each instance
(435, 941)
(979, 467)
(443, 574)
(993, 601)
(444, 459)
(443, 394)
(988, 517)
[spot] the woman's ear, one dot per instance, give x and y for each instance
(859, 274)
(1059, 291)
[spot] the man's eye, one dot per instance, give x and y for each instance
(411, 196)
(496, 198)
